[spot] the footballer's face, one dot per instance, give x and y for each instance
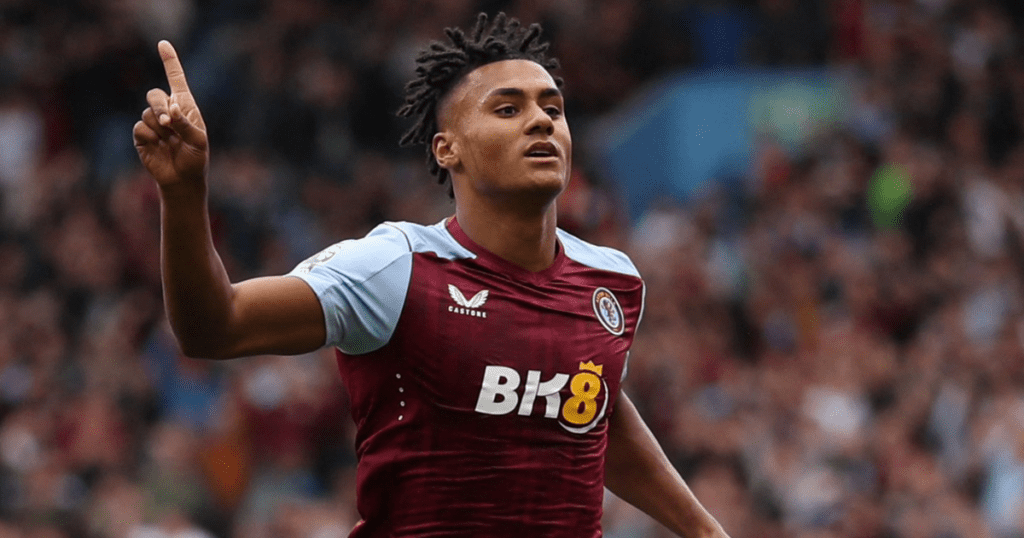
(503, 130)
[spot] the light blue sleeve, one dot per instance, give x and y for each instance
(362, 286)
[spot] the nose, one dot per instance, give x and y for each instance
(540, 121)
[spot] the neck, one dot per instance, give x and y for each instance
(526, 239)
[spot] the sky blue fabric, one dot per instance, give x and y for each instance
(362, 283)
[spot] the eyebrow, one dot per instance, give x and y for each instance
(518, 92)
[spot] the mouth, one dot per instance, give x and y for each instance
(541, 150)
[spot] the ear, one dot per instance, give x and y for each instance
(445, 150)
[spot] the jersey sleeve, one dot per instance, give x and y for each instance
(362, 286)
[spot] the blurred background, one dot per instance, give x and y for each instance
(826, 199)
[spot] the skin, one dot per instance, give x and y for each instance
(211, 317)
(505, 201)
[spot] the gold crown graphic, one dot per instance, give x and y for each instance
(589, 365)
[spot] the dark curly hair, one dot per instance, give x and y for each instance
(441, 66)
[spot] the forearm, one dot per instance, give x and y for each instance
(197, 291)
(211, 317)
(637, 470)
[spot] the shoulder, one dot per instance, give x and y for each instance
(386, 243)
(434, 238)
(381, 246)
(595, 256)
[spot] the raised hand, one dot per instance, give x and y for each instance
(171, 138)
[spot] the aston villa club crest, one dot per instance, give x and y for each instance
(608, 311)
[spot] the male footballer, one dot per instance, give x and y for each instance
(483, 354)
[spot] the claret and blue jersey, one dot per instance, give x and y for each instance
(481, 391)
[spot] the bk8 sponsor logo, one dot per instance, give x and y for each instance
(500, 394)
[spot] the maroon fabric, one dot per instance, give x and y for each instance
(430, 463)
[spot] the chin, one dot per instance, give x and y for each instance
(546, 179)
(543, 186)
(533, 187)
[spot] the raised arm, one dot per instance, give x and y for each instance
(637, 470)
(211, 317)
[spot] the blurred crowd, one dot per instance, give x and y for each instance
(832, 348)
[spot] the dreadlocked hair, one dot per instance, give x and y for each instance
(441, 66)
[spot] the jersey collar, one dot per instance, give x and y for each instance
(501, 265)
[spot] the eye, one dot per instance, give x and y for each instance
(506, 110)
(553, 111)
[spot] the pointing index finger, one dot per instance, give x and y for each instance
(172, 66)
